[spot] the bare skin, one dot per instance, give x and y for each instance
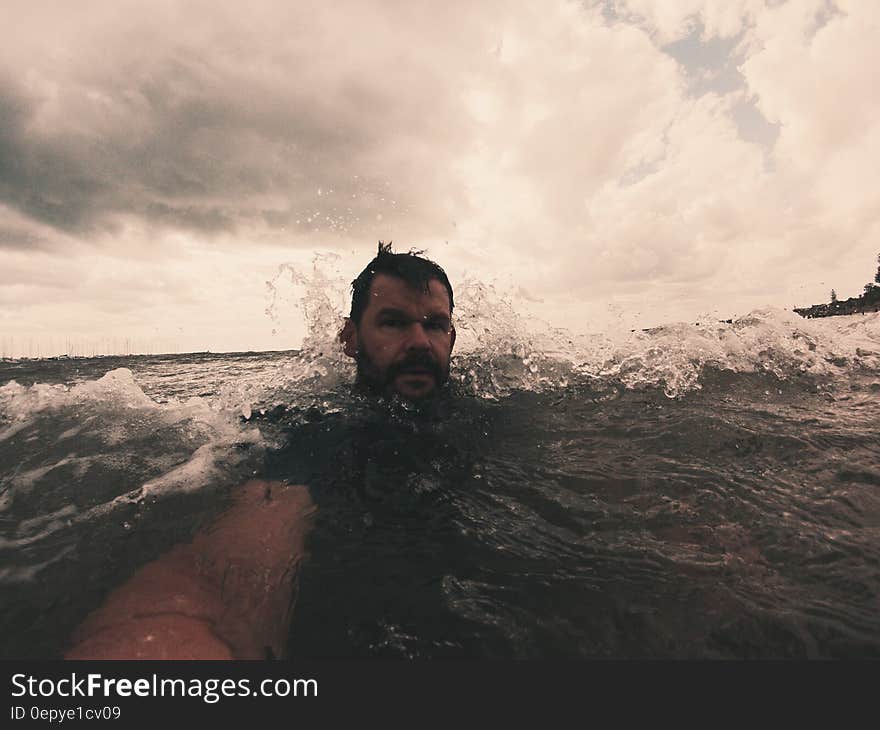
(226, 595)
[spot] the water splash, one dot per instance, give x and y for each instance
(772, 341)
(110, 432)
(502, 349)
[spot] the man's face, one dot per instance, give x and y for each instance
(404, 339)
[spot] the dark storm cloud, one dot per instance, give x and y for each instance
(193, 161)
(39, 180)
(188, 140)
(18, 239)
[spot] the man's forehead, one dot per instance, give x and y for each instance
(391, 292)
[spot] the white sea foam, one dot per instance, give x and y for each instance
(502, 350)
(116, 423)
(764, 341)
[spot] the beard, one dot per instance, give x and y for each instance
(381, 382)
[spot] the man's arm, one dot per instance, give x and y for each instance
(228, 594)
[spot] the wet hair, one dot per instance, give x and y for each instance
(411, 267)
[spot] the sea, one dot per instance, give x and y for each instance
(698, 490)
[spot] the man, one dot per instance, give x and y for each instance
(229, 594)
(400, 329)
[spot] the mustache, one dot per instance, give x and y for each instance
(421, 360)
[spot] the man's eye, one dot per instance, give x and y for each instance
(437, 325)
(393, 323)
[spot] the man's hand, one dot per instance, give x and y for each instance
(228, 594)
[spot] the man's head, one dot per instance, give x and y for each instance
(400, 329)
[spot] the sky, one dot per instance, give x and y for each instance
(165, 166)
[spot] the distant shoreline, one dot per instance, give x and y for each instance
(868, 302)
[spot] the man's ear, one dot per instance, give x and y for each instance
(349, 338)
(452, 342)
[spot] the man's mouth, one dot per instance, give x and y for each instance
(416, 367)
(417, 372)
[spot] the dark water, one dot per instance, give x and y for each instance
(586, 515)
(561, 525)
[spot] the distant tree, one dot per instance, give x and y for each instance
(877, 275)
(833, 296)
(869, 288)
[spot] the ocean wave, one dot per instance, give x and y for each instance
(71, 454)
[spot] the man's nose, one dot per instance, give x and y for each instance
(418, 337)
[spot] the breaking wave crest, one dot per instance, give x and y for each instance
(73, 454)
(501, 350)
